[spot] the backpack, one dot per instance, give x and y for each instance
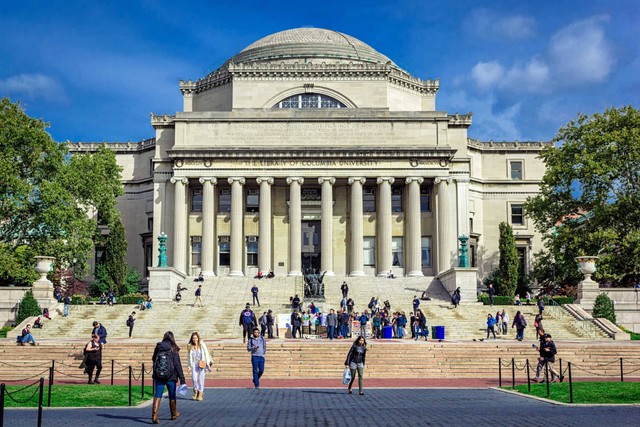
(163, 365)
(128, 321)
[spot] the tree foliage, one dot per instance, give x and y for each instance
(590, 193)
(508, 265)
(603, 308)
(115, 253)
(47, 198)
(28, 307)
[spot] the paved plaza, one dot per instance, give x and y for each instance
(334, 407)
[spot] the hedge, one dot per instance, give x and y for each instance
(506, 300)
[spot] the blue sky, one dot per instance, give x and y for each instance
(96, 69)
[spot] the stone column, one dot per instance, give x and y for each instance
(462, 187)
(444, 224)
(413, 227)
(264, 226)
(158, 215)
(208, 225)
(326, 232)
(383, 220)
(356, 263)
(295, 225)
(180, 224)
(237, 219)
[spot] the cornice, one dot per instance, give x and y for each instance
(507, 145)
(118, 147)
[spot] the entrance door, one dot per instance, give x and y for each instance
(310, 246)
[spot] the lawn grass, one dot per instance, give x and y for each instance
(587, 392)
(80, 395)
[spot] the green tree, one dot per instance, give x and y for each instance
(115, 253)
(28, 307)
(132, 280)
(603, 308)
(47, 197)
(590, 195)
(508, 265)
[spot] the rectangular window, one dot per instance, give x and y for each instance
(516, 169)
(224, 251)
(425, 199)
(196, 250)
(150, 167)
(426, 251)
(369, 200)
(253, 200)
(252, 251)
(150, 224)
(517, 215)
(196, 200)
(224, 200)
(396, 200)
(397, 252)
(369, 251)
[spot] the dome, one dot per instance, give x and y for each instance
(310, 43)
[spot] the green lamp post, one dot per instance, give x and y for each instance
(464, 259)
(162, 250)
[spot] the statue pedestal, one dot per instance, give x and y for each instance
(464, 278)
(163, 283)
(588, 291)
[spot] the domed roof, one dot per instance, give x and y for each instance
(301, 43)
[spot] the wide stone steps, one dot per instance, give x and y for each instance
(320, 359)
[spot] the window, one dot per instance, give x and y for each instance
(253, 200)
(397, 254)
(516, 169)
(309, 100)
(196, 200)
(224, 251)
(252, 251)
(517, 215)
(426, 251)
(196, 250)
(470, 225)
(150, 167)
(369, 251)
(425, 199)
(150, 224)
(224, 200)
(396, 200)
(369, 200)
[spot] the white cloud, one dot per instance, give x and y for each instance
(487, 74)
(32, 86)
(528, 78)
(488, 24)
(580, 53)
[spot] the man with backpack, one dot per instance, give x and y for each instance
(131, 321)
(248, 321)
(547, 357)
(167, 370)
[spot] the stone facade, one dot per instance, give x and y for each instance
(309, 149)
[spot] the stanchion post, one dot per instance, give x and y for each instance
(528, 377)
(570, 383)
(50, 385)
(142, 376)
(499, 372)
(112, 363)
(40, 402)
(621, 371)
(546, 375)
(513, 373)
(130, 379)
(53, 369)
(2, 387)
(560, 369)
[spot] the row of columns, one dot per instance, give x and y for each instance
(413, 264)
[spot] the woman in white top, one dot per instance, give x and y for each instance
(198, 363)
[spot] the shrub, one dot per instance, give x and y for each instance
(4, 330)
(102, 283)
(559, 300)
(497, 300)
(78, 300)
(28, 307)
(603, 308)
(132, 281)
(130, 298)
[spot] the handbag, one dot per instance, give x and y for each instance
(346, 376)
(202, 364)
(83, 364)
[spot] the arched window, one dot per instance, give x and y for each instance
(309, 100)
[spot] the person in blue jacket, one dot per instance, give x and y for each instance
(491, 323)
(100, 331)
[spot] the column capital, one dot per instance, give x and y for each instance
(232, 179)
(295, 178)
(360, 179)
(410, 179)
(322, 179)
(267, 179)
(203, 179)
(443, 179)
(183, 180)
(382, 179)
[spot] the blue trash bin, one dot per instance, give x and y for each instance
(387, 332)
(437, 332)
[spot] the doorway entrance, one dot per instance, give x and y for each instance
(310, 246)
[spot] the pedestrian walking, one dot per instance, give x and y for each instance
(131, 321)
(355, 361)
(198, 294)
(548, 353)
(198, 364)
(100, 331)
(416, 303)
(270, 323)
(263, 323)
(93, 359)
(254, 292)
(332, 323)
(505, 321)
(345, 289)
(248, 322)
(491, 323)
(167, 371)
(492, 293)
(520, 323)
(67, 305)
(257, 346)
(455, 298)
